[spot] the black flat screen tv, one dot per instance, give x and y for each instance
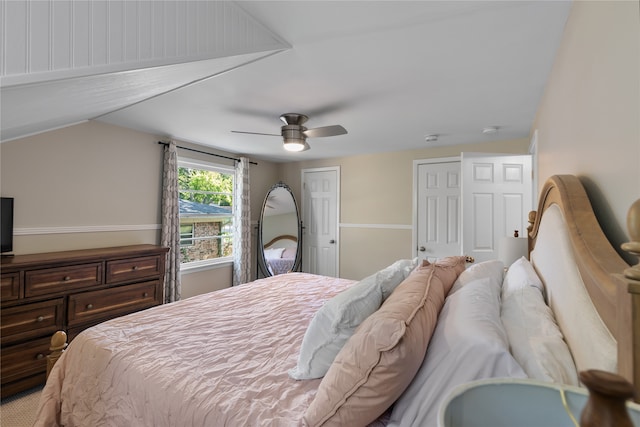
(6, 224)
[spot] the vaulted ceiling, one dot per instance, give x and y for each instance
(390, 72)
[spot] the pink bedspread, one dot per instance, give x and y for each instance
(219, 359)
(280, 265)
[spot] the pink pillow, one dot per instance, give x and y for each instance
(383, 355)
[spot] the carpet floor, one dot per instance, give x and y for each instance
(19, 410)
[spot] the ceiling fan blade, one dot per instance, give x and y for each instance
(256, 133)
(325, 131)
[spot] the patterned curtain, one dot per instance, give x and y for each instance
(171, 223)
(241, 224)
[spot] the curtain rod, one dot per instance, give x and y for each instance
(204, 152)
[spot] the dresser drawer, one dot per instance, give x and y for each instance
(71, 291)
(10, 286)
(112, 302)
(31, 320)
(134, 268)
(62, 279)
(24, 360)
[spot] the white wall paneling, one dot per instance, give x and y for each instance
(54, 39)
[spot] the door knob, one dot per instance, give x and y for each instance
(422, 249)
(332, 241)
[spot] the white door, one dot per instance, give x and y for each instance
(497, 196)
(320, 220)
(439, 210)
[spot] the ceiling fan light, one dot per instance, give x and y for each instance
(292, 144)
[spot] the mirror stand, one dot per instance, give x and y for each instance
(279, 248)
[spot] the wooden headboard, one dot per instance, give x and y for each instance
(285, 237)
(615, 296)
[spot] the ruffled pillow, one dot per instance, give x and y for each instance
(339, 317)
(381, 358)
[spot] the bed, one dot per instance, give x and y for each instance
(280, 254)
(299, 349)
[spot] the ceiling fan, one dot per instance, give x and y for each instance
(295, 135)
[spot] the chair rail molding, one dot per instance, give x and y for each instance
(30, 231)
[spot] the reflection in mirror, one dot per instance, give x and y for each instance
(279, 232)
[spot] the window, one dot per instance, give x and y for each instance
(206, 214)
(186, 235)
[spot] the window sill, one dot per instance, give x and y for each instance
(194, 267)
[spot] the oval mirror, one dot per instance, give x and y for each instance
(279, 232)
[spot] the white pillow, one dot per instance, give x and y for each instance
(388, 278)
(492, 270)
(274, 253)
(535, 339)
(469, 343)
(339, 317)
(520, 274)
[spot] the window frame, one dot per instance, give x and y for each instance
(190, 238)
(185, 162)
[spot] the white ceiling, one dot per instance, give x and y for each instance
(390, 72)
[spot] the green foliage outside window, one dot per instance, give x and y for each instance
(207, 187)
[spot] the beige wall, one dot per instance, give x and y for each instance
(279, 225)
(377, 189)
(588, 122)
(98, 175)
(211, 279)
(86, 175)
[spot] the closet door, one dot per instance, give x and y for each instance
(438, 232)
(497, 195)
(320, 218)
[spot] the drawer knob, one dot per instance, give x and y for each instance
(146, 294)
(39, 318)
(39, 356)
(89, 306)
(67, 278)
(134, 268)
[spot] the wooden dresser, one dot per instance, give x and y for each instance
(70, 291)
